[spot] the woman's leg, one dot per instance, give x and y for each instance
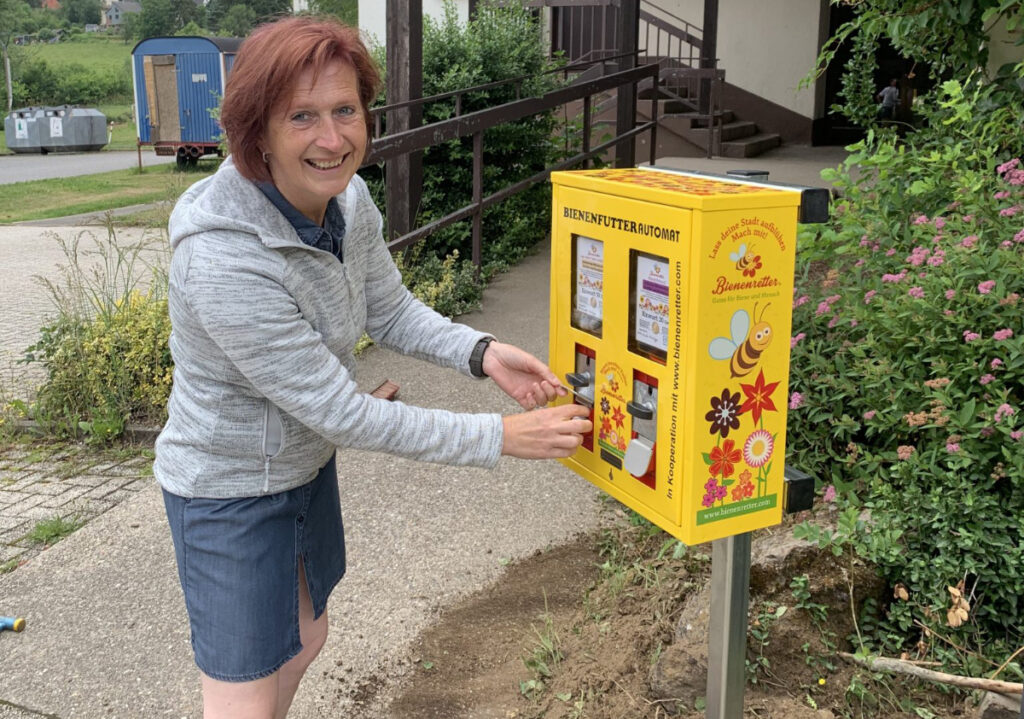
(313, 633)
(271, 696)
(233, 700)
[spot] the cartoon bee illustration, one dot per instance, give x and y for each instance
(746, 261)
(745, 344)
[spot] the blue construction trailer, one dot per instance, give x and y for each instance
(179, 82)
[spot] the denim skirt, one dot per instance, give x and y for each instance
(238, 562)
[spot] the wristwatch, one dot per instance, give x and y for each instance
(476, 359)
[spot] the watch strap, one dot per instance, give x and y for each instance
(476, 358)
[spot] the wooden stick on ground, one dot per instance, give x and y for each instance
(898, 666)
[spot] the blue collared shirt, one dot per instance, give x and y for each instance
(329, 238)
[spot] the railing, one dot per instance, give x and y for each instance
(476, 123)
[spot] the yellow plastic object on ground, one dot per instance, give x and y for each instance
(671, 313)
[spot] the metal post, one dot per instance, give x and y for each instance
(727, 632)
(478, 194)
(625, 95)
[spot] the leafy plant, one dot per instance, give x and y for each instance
(908, 363)
(106, 352)
(50, 531)
(500, 42)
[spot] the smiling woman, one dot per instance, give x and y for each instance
(279, 266)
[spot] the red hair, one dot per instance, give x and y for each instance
(266, 69)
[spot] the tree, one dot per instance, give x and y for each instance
(165, 17)
(950, 37)
(238, 21)
(13, 14)
(131, 26)
(81, 12)
(345, 10)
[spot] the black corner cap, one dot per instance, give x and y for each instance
(798, 491)
(814, 205)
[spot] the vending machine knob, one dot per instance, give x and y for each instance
(640, 410)
(579, 379)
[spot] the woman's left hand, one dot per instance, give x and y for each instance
(522, 376)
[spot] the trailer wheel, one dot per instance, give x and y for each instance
(181, 159)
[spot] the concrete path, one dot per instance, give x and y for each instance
(107, 633)
(28, 254)
(20, 168)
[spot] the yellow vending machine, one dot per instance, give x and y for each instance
(671, 301)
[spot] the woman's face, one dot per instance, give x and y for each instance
(315, 141)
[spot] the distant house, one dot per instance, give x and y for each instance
(50, 4)
(113, 16)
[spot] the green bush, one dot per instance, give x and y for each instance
(908, 362)
(38, 83)
(105, 353)
(500, 42)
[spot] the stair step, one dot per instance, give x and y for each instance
(731, 130)
(694, 121)
(751, 146)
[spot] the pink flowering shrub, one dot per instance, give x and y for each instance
(912, 382)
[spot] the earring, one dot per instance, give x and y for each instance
(265, 158)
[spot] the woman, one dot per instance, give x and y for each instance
(279, 266)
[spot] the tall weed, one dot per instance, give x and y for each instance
(105, 351)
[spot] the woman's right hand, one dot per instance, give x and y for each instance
(546, 433)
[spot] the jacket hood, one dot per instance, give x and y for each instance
(228, 201)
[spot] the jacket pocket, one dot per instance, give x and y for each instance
(273, 438)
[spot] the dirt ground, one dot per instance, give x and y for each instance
(598, 629)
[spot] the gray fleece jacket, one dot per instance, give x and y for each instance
(263, 332)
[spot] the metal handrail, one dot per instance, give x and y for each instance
(376, 113)
(476, 123)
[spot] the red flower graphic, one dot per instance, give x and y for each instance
(618, 416)
(724, 459)
(759, 397)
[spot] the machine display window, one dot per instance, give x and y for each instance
(587, 284)
(648, 305)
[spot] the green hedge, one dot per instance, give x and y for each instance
(908, 367)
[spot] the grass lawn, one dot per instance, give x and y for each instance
(95, 51)
(43, 199)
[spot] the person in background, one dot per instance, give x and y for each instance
(279, 266)
(888, 98)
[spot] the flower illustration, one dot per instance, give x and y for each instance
(758, 448)
(618, 417)
(724, 459)
(605, 405)
(759, 397)
(743, 490)
(713, 492)
(725, 413)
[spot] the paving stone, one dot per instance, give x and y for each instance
(21, 508)
(68, 495)
(10, 521)
(102, 490)
(42, 487)
(88, 480)
(8, 497)
(89, 507)
(118, 496)
(9, 552)
(40, 513)
(15, 533)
